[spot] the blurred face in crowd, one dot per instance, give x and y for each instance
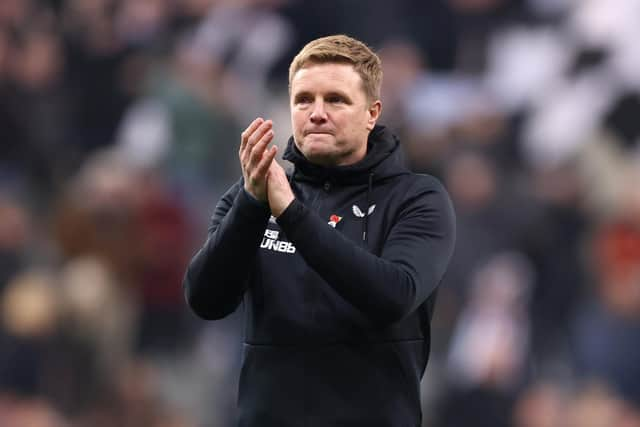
(330, 114)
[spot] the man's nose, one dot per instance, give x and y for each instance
(318, 114)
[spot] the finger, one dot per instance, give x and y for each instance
(258, 150)
(247, 149)
(254, 138)
(265, 163)
(244, 136)
(259, 132)
(261, 145)
(276, 168)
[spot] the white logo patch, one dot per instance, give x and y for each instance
(357, 212)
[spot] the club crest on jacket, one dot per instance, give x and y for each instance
(357, 212)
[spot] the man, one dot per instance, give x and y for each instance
(337, 265)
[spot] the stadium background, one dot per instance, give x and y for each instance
(119, 125)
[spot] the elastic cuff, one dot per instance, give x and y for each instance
(248, 204)
(292, 214)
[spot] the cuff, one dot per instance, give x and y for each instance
(250, 206)
(293, 214)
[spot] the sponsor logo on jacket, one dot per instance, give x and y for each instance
(270, 242)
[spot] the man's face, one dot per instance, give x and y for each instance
(330, 114)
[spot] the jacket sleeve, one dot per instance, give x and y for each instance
(412, 263)
(217, 275)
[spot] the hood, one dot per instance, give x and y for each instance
(383, 159)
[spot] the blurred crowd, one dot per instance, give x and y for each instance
(119, 126)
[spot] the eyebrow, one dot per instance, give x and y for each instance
(337, 93)
(301, 94)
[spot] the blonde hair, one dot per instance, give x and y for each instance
(342, 49)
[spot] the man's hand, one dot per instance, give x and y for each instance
(255, 159)
(278, 188)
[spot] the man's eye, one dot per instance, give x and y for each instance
(303, 100)
(335, 99)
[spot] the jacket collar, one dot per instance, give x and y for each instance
(383, 159)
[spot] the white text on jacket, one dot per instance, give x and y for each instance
(270, 241)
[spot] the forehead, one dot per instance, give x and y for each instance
(326, 77)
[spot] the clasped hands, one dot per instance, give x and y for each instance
(264, 178)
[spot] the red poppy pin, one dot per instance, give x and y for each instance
(333, 220)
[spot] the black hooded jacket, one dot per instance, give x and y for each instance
(338, 291)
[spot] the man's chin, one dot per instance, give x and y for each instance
(319, 157)
(318, 144)
(320, 137)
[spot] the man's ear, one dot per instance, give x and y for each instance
(374, 111)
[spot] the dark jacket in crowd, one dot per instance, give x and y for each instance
(338, 292)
